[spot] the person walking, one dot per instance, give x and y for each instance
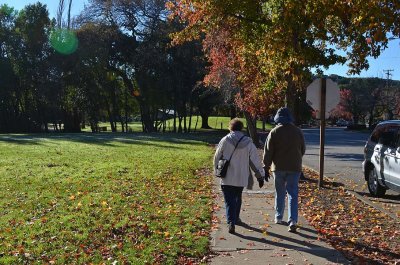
(283, 153)
(244, 158)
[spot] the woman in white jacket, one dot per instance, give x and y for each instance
(244, 158)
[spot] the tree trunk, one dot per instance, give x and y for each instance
(251, 127)
(290, 99)
(126, 110)
(185, 123)
(112, 123)
(180, 124)
(197, 120)
(371, 118)
(233, 112)
(190, 117)
(72, 121)
(147, 121)
(69, 15)
(204, 121)
(123, 125)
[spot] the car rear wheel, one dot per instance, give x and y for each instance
(376, 189)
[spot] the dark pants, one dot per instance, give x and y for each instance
(233, 202)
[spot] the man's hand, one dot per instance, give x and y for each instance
(267, 176)
(260, 182)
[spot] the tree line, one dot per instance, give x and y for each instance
(367, 100)
(120, 58)
(112, 62)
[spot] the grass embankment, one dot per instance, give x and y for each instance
(75, 199)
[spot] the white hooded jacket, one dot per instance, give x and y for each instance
(244, 158)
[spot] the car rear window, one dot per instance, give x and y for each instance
(376, 133)
(387, 130)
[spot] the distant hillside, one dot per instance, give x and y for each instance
(342, 81)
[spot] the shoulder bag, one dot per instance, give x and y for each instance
(223, 164)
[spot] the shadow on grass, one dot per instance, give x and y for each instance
(20, 139)
(211, 137)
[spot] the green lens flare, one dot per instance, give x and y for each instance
(64, 41)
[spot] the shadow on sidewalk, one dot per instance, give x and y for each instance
(306, 245)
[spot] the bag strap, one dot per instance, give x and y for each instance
(236, 146)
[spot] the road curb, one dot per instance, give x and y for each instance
(361, 198)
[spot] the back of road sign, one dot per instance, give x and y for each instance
(314, 95)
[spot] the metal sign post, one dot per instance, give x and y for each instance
(322, 132)
(322, 96)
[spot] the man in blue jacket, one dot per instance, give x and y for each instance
(283, 152)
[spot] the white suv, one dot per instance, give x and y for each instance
(381, 164)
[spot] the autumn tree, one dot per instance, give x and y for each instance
(367, 99)
(342, 110)
(364, 96)
(270, 46)
(389, 99)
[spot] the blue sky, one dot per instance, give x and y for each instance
(52, 5)
(389, 59)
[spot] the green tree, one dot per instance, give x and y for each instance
(159, 77)
(29, 54)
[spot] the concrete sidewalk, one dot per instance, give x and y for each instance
(260, 240)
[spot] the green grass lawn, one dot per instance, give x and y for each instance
(94, 198)
(214, 122)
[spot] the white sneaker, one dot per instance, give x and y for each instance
(292, 227)
(278, 221)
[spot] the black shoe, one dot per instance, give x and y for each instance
(239, 222)
(302, 177)
(231, 228)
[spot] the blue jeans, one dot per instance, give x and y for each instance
(286, 181)
(233, 202)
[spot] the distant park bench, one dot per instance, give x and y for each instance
(102, 128)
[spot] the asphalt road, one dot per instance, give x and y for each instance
(344, 153)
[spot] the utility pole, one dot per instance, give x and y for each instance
(388, 75)
(388, 109)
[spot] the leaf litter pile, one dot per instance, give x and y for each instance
(362, 233)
